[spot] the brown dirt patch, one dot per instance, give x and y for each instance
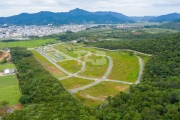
(121, 88)
(5, 54)
(76, 86)
(100, 98)
(18, 106)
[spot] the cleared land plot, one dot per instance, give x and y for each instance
(71, 66)
(96, 66)
(71, 51)
(98, 94)
(27, 43)
(48, 65)
(7, 65)
(125, 66)
(72, 83)
(9, 89)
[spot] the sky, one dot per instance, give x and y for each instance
(127, 7)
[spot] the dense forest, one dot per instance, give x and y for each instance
(43, 96)
(158, 95)
(123, 34)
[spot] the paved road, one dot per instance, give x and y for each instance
(97, 81)
(140, 71)
(53, 62)
(122, 50)
(84, 87)
(109, 68)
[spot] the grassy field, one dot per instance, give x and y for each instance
(96, 66)
(72, 83)
(7, 65)
(71, 65)
(98, 94)
(9, 89)
(125, 66)
(73, 51)
(28, 43)
(48, 65)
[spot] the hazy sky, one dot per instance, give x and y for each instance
(127, 7)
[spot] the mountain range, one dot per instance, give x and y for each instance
(79, 16)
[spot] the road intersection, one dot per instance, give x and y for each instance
(96, 81)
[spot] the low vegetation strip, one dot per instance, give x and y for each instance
(27, 43)
(72, 83)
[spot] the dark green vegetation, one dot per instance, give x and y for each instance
(43, 95)
(175, 25)
(114, 33)
(158, 94)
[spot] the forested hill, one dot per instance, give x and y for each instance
(76, 16)
(165, 18)
(157, 97)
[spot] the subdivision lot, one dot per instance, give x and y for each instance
(125, 66)
(72, 83)
(96, 66)
(48, 65)
(71, 66)
(98, 94)
(9, 89)
(57, 56)
(70, 50)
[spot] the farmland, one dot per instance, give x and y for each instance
(28, 43)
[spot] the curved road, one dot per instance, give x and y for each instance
(97, 81)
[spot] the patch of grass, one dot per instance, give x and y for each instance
(125, 66)
(72, 83)
(98, 94)
(96, 66)
(27, 43)
(9, 89)
(7, 65)
(48, 65)
(70, 50)
(72, 66)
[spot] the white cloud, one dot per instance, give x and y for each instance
(127, 7)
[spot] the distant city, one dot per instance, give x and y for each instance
(23, 32)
